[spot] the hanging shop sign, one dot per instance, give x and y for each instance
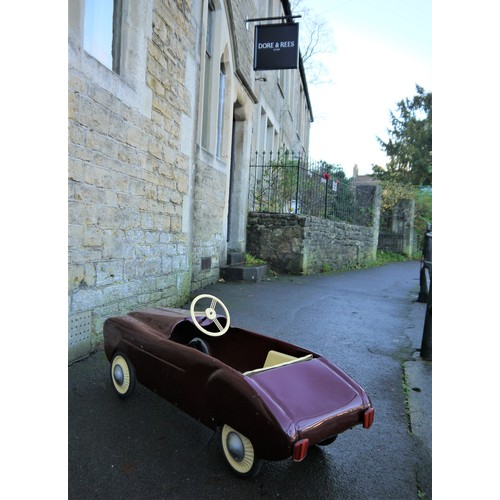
(276, 46)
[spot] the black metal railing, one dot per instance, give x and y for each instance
(284, 183)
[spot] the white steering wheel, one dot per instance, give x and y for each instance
(211, 314)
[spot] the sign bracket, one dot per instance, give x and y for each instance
(279, 18)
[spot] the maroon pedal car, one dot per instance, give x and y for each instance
(270, 400)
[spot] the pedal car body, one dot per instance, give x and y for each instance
(271, 399)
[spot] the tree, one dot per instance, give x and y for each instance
(409, 147)
(315, 39)
(335, 170)
(423, 215)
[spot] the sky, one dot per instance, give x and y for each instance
(378, 51)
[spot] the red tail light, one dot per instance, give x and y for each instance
(300, 450)
(368, 418)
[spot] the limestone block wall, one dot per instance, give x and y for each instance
(130, 169)
(151, 212)
(298, 244)
(209, 204)
(238, 12)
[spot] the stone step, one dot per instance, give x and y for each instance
(235, 258)
(243, 272)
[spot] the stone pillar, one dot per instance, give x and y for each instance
(377, 203)
(408, 228)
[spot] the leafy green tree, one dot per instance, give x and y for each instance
(393, 193)
(334, 169)
(409, 147)
(423, 215)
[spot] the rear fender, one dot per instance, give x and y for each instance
(231, 400)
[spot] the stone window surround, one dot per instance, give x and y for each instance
(221, 54)
(130, 85)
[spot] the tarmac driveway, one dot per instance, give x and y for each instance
(365, 321)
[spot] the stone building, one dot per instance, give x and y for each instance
(165, 110)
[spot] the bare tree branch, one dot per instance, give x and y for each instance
(315, 38)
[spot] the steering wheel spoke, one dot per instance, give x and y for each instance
(218, 325)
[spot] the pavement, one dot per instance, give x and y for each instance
(419, 381)
(418, 374)
(368, 322)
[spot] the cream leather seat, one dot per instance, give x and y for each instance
(275, 359)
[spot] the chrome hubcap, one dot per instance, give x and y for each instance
(118, 375)
(235, 446)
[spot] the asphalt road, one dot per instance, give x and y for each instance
(365, 321)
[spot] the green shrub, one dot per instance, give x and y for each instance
(250, 260)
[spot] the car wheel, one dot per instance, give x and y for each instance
(199, 345)
(239, 453)
(122, 375)
(328, 441)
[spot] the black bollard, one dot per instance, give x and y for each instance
(426, 265)
(426, 346)
(424, 291)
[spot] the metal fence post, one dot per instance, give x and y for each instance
(326, 196)
(297, 190)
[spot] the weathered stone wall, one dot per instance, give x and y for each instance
(208, 223)
(148, 206)
(130, 162)
(298, 244)
(238, 12)
(397, 234)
